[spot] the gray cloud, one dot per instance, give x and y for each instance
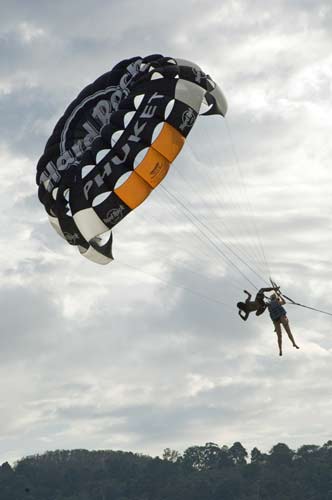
(149, 352)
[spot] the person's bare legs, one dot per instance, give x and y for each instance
(285, 323)
(277, 329)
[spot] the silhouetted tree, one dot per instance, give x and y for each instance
(171, 455)
(238, 454)
(281, 455)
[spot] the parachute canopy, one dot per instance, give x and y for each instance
(115, 143)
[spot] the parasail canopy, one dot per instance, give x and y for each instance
(115, 143)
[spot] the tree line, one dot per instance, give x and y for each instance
(208, 472)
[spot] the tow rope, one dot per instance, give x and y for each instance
(292, 302)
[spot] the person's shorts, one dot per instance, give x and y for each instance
(281, 319)
(260, 311)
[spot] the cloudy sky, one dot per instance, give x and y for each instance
(149, 352)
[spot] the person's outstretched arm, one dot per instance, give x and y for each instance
(270, 289)
(281, 300)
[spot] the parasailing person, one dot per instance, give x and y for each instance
(279, 318)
